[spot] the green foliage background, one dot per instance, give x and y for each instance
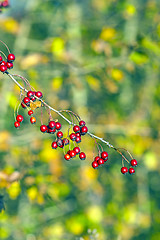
(100, 59)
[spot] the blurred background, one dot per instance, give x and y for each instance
(100, 59)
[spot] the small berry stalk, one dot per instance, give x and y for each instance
(31, 100)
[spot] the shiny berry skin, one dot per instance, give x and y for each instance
(39, 94)
(124, 170)
(100, 161)
(131, 171)
(33, 99)
(3, 68)
(104, 155)
(58, 125)
(23, 105)
(73, 136)
(54, 145)
(52, 124)
(67, 157)
(95, 164)
(76, 129)
(52, 131)
(3, 63)
(30, 112)
(30, 94)
(26, 100)
(84, 130)
(33, 120)
(59, 134)
(78, 139)
(72, 153)
(134, 162)
(82, 123)
(77, 150)
(9, 65)
(65, 141)
(43, 128)
(11, 57)
(82, 156)
(78, 134)
(19, 118)
(17, 124)
(60, 143)
(1, 59)
(96, 158)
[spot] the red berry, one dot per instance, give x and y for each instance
(95, 164)
(30, 112)
(9, 65)
(43, 128)
(84, 130)
(73, 136)
(78, 139)
(30, 94)
(77, 150)
(82, 123)
(134, 162)
(51, 130)
(96, 158)
(33, 99)
(33, 120)
(54, 145)
(65, 141)
(131, 171)
(100, 161)
(4, 63)
(23, 105)
(78, 134)
(76, 128)
(52, 124)
(72, 153)
(26, 100)
(3, 68)
(60, 143)
(124, 170)
(11, 57)
(59, 134)
(67, 157)
(39, 94)
(5, 4)
(1, 59)
(17, 124)
(104, 155)
(58, 125)
(19, 118)
(82, 156)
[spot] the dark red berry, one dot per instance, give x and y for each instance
(30, 112)
(43, 128)
(134, 162)
(52, 124)
(67, 157)
(104, 155)
(54, 145)
(4, 63)
(1, 59)
(78, 134)
(72, 153)
(59, 134)
(95, 164)
(82, 123)
(60, 143)
(131, 171)
(84, 130)
(23, 105)
(30, 94)
(33, 99)
(58, 125)
(17, 124)
(76, 128)
(78, 139)
(100, 161)
(73, 136)
(19, 118)
(65, 141)
(33, 120)
(3, 68)
(124, 170)
(82, 156)
(9, 65)
(39, 94)
(11, 57)
(77, 150)
(52, 131)
(26, 100)
(96, 158)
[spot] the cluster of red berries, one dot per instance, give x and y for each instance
(99, 161)
(131, 170)
(4, 4)
(4, 66)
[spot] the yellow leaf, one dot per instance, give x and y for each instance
(57, 46)
(107, 34)
(93, 83)
(57, 83)
(32, 193)
(14, 190)
(131, 10)
(94, 214)
(34, 105)
(10, 25)
(117, 74)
